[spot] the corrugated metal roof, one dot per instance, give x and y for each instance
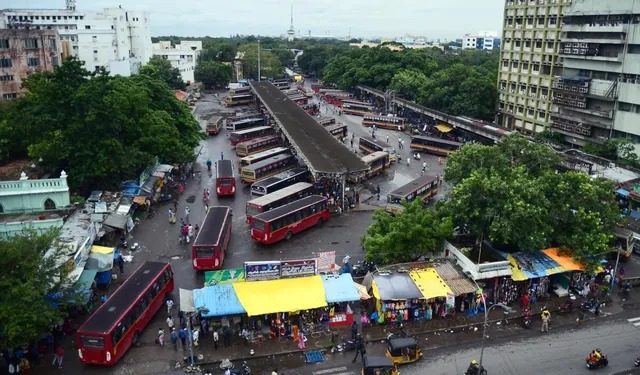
(454, 278)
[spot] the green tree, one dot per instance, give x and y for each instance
(105, 129)
(160, 68)
(270, 65)
(213, 73)
(416, 232)
(26, 279)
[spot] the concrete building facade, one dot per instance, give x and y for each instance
(183, 56)
(485, 41)
(23, 52)
(529, 63)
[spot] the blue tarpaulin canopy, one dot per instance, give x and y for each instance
(220, 300)
(623, 192)
(340, 288)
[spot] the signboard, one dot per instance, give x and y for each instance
(255, 271)
(305, 267)
(233, 275)
(325, 261)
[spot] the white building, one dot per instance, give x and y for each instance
(116, 39)
(484, 40)
(183, 56)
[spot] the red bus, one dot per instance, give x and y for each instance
(311, 109)
(277, 198)
(258, 144)
(249, 134)
(225, 179)
(210, 245)
(283, 222)
(267, 168)
(115, 326)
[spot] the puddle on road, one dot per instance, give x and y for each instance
(191, 199)
(176, 257)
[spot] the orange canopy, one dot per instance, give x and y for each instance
(564, 260)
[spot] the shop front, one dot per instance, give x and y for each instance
(437, 298)
(398, 299)
(462, 288)
(221, 305)
(341, 294)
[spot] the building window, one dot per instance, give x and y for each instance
(55, 61)
(505, 64)
(7, 78)
(87, 27)
(33, 62)
(5, 62)
(11, 95)
(4, 43)
(31, 43)
(626, 107)
(49, 204)
(53, 44)
(94, 38)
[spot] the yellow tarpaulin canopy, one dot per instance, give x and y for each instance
(362, 290)
(430, 283)
(102, 249)
(444, 128)
(517, 273)
(282, 295)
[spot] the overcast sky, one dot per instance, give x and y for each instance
(448, 19)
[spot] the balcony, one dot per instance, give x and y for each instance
(570, 126)
(597, 28)
(577, 85)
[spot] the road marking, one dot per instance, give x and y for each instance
(332, 370)
(634, 321)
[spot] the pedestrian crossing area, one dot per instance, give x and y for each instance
(335, 371)
(635, 321)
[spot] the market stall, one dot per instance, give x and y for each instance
(462, 288)
(101, 259)
(438, 299)
(220, 300)
(531, 273)
(398, 297)
(339, 291)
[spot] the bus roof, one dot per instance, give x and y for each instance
(283, 210)
(209, 233)
(357, 102)
(438, 140)
(268, 161)
(276, 195)
(258, 140)
(335, 126)
(326, 120)
(109, 314)
(271, 151)
(382, 115)
(251, 130)
(241, 95)
(412, 186)
(224, 168)
(374, 156)
(280, 176)
(250, 119)
(378, 142)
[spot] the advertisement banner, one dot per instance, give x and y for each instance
(254, 271)
(304, 267)
(326, 260)
(228, 276)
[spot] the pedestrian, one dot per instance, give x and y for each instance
(274, 372)
(387, 139)
(302, 341)
(196, 337)
(181, 318)
(408, 161)
(183, 337)
(174, 338)
(170, 322)
(169, 306)
(190, 230)
(204, 326)
(351, 142)
(175, 205)
(58, 357)
(187, 211)
(206, 207)
(360, 349)
(227, 337)
(121, 264)
(424, 166)
(160, 339)
(354, 330)
(378, 189)
(546, 316)
(440, 161)
(357, 198)
(525, 301)
(580, 319)
(216, 338)
(221, 155)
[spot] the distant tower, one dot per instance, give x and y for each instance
(71, 4)
(291, 33)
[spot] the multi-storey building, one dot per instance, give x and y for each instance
(486, 41)
(529, 63)
(183, 56)
(598, 90)
(22, 52)
(116, 39)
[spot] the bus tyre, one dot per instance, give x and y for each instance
(288, 235)
(320, 221)
(134, 340)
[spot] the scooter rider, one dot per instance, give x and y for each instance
(474, 368)
(209, 164)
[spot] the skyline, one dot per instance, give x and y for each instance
(357, 18)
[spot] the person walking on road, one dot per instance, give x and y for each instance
(160, 339)
(170, 322)
(221, 155)
(354, 330)
(408, 161)
(546, 316)
(174, 338)
(360, 349)
(424, 167)
(58, 357)
(121, 264)
(227, 337)
(169, 306)
(187, 211)
(387, 139)
(183, 337)
(216, 338)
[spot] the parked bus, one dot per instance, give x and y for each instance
(252, 159)
(247, 123)
(282, 85)
(278, 198)
(311, 109)
(354, 107)
(210, 246)
(423, 188)
(369, 145)
(251, 133)
(116, 325)
(385, 121)
(238, 99)
(434, 146)
(338, 130)
(285, 221)
(326, 121)
(244, 115)
(257, 145)
(267, 168)
(240, 90)
(214, 125)
(316, 87)
(377, 161)
(225, 178)
(279, 181)
(300, 99)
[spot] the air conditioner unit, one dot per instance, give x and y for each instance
(513, 91)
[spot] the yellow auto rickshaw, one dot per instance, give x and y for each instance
(379, 365)
(404, 350)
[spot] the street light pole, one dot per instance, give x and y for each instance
(189, 316)
(259, 60)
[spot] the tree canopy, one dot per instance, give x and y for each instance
(270, 65)
(416, 231)
(459, 84)
(213, 73)
(160, 68)
(511, 194)
(99, 129)
(25, 281)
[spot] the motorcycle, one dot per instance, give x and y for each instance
(416, 156)
(527, 319)
(592, 365)
(347, 345)
(245, 370)
(637, 362)
(481, 371)
(566, 307)
(589, 305)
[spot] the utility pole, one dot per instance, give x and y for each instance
(259, 60)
